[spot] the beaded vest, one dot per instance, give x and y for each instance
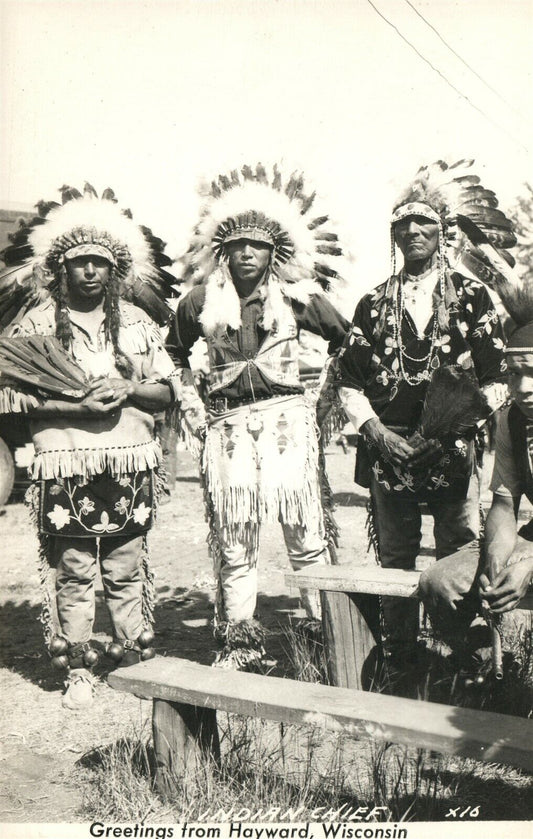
(276, 358)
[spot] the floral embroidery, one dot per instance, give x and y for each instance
(406, 480)
(104, 525)
(141, 513)
(122, 506)
(356, 335)
(59, 517)
(375, 371)
(376, 469)
(82, 512)
(440, 481)
(485, 323)
(390, 345)
(464, 360)
(85, 505)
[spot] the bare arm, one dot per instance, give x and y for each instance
(500, 533)
(106, 396)
(90, 405)
(502, 586)
(152, 396)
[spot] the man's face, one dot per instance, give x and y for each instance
(88, 277)
(247, 259)
(520, 367)
(417, 237)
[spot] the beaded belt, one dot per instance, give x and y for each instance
(221, 404)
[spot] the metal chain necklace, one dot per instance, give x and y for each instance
(399, 314)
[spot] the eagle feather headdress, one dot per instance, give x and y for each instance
(253, 205)
(476, 233)
(38, 249)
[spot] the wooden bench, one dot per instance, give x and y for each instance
(350, 607)
(186, 696)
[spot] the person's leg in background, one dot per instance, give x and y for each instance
(307, 546)
(397, 522)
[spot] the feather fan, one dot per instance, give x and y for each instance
(41, 362)
(453, 405)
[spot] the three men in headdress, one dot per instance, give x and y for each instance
(96, 457)
(423, 317)
(260, 264)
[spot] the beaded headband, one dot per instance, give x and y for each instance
(89, 249)
(415, 208)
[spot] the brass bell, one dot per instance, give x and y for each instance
(60, 662)
(115, 652)
(147, 653)
(90, 658)
(146, 638)
(58, 646)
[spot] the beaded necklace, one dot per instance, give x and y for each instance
(399, 314)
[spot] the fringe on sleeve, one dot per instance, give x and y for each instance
(14, 402)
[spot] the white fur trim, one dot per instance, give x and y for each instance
(222, 305)
(105, 217)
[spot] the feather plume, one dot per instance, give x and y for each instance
(89, 189)
(494, 269)
(69, 193)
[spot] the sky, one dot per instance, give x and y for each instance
(148, 97)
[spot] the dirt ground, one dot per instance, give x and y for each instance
(41, 742)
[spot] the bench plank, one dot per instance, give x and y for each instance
(360, 579)
(367, 579)
(477, 734)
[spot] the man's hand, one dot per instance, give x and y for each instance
(107, 391)
(392, 446)
(104, 396)
(508, 588)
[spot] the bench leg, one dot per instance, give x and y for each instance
(184, 735)
(352, 637)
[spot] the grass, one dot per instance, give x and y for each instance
(309, 774)
(306, 775)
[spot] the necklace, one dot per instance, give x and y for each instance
(399, 314)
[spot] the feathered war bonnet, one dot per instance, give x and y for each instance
(252, 205)
(468, 219)
(84, 224)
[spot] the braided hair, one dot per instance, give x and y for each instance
(60, 295)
